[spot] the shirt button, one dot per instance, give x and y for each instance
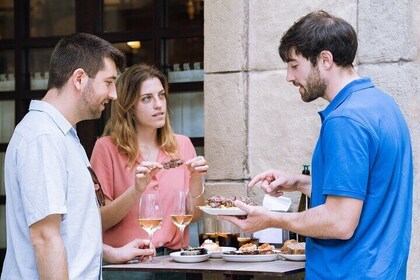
(160, 244)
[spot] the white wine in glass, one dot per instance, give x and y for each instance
(150, 215)
(182, 212)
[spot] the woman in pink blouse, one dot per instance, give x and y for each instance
(128, 160)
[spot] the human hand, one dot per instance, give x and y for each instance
(140, 248)
(274, 182)
(144, 173)
(257, 217)
(197, 166)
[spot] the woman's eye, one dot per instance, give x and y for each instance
(162, 96)
(146, 99)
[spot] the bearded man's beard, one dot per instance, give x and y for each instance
(315, 86)
(89, 104)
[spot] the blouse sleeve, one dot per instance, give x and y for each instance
(186, 147)
(102, 163)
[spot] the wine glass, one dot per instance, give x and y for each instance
(182, 212)
(150, 215)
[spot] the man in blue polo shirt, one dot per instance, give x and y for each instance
(359, 223)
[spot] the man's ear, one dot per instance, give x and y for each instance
(79, 78)
(326, 59)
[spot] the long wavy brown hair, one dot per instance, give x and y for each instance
(121, 126)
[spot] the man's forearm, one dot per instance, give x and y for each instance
(51, 259)
(336, 219)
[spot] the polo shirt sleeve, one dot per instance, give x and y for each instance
(346, 145)
(43, 178)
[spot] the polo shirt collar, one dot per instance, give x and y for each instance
(55, 115)
(351, 87)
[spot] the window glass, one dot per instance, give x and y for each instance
(137, 51)
(127, 15)
(7, 120)
(39, 60)
(7, 26)
(51, 18)
(184, 58)
(185, 13)
(7, 71)
(187, 113)
(2, 226)
(2, 190)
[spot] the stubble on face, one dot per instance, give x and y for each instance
(316, 86)
(90, 106)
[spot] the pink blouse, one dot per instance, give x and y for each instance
(110, 167)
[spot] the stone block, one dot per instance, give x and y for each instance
(415, 15)
(225, 125)
(385, 31)
(226, 35)
(225, 189)
(270, 19)
(283, 129)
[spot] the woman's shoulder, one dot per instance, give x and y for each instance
(104, 140)
(105, 143)
(184, 143)
(182, 138)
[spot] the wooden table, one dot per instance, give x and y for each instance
(230, 269)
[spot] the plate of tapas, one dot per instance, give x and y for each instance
(191, 255)
(219, 205)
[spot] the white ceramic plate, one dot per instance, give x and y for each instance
(176, 256)
(218, 254)
(231, 211)
(293, 257)
(249, 258)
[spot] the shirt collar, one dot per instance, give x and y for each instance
(351, 87)
(55, 115)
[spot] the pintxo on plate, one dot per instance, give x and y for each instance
(211, 246)
(218, 201)
(252, 249)
(219, 205)
(194, 251)
(292, 247)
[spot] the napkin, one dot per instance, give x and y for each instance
(273, 235)
(280, 203)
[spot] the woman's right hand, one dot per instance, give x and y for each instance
(144, 173)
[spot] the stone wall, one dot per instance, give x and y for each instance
(255, 120)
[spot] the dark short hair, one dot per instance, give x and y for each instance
(81, 50)
(318, 31)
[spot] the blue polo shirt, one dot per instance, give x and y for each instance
(364, 152)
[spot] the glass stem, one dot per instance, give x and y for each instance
(182, 238)
(150, 246)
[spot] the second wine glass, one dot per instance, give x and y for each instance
(150, 215)
(182, 212)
